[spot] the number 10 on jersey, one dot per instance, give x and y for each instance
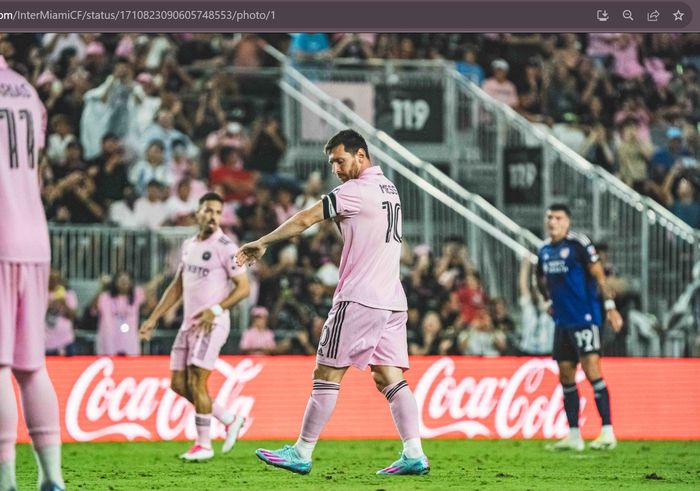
(393, 218)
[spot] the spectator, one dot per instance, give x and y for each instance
(209, 115)
(481, 338)
(310, 195)
(149, 104)
(499, 87)
(503, 322)
(153, 168)
(309, 49)
(472, 298)
(284, 204)
(60, 315)
(77, 199)
(597, 148)
(632, 155)
(231, 136)
(258, 339)
(238, 183)
(355, 46)
(469, 68)
(665, 158)
(537, 326)
(117, 309)
(182, 205)
(267, 147)
(164, 131)
(61, 136)
(248, 50)
(122, 213)
(680, 195)
(454, 264)
(110, 170)
(422, 289)
(560, 100)
(71, 161)
(150, 210)
(429, 339)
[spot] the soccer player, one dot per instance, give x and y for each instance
(204, 280)
(367, 323)
(25, 256)
(570, 275)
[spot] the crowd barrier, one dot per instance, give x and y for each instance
(117, 399)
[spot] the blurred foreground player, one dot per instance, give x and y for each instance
(367, 323)
(570, 274)
(24, 278)
(203, 280)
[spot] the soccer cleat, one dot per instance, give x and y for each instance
(567, 443)
(285, 458)
(50, 486)
(197, 453)
(603, 442)
(232, 432)
(407, 467)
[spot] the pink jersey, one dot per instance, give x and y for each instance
(118, 324)
(368, 210)
(23, 231)
(206, 268)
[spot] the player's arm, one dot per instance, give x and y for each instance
(542, 281)
(172, 295)
(205, 319)
(293, 227)
(613, 316)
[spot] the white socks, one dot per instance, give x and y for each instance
(48, 459)
(7, 475)
(574, 434)
(304, 449)
(412, 448)
(607, 431)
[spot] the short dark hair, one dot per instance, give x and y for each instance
(154, 183)
(560, 207)
(351, 139)
(157, 143)
(211, 196)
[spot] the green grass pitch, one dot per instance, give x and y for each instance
(456, 465)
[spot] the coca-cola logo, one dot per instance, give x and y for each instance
(102, 404)
(512, 406)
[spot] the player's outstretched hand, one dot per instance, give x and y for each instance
(146, 330)
(204, 321)
(615, 320)
(249, 253)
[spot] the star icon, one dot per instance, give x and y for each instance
(678, 15)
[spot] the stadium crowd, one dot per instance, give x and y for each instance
(141, 125)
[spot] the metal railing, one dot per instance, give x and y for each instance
(85, 253)
(434, 206)
(651, 248)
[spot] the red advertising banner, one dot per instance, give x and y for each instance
(115, 399)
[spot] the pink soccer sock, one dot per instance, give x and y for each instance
(319, 409)
(203, 424)
(403, 409)
(8, 416)
(40, 407)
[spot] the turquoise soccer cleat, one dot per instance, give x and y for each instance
(285, 458)
(407, 467)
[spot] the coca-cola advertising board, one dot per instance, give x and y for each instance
(113, 399)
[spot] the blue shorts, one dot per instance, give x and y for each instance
(573, 343)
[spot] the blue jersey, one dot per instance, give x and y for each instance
(572, 289)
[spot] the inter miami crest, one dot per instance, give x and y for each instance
(206, 255)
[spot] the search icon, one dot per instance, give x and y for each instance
(627, 14)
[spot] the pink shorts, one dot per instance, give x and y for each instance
(24, 298)
(360, 336)
(192, 347)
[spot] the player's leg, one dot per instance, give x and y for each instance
(8, 430)
(388, 362)
(566, 356)
(591, 366)
(39, 401)
(178, 384)
(197, 379)
(8, 405)
(324, 394)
